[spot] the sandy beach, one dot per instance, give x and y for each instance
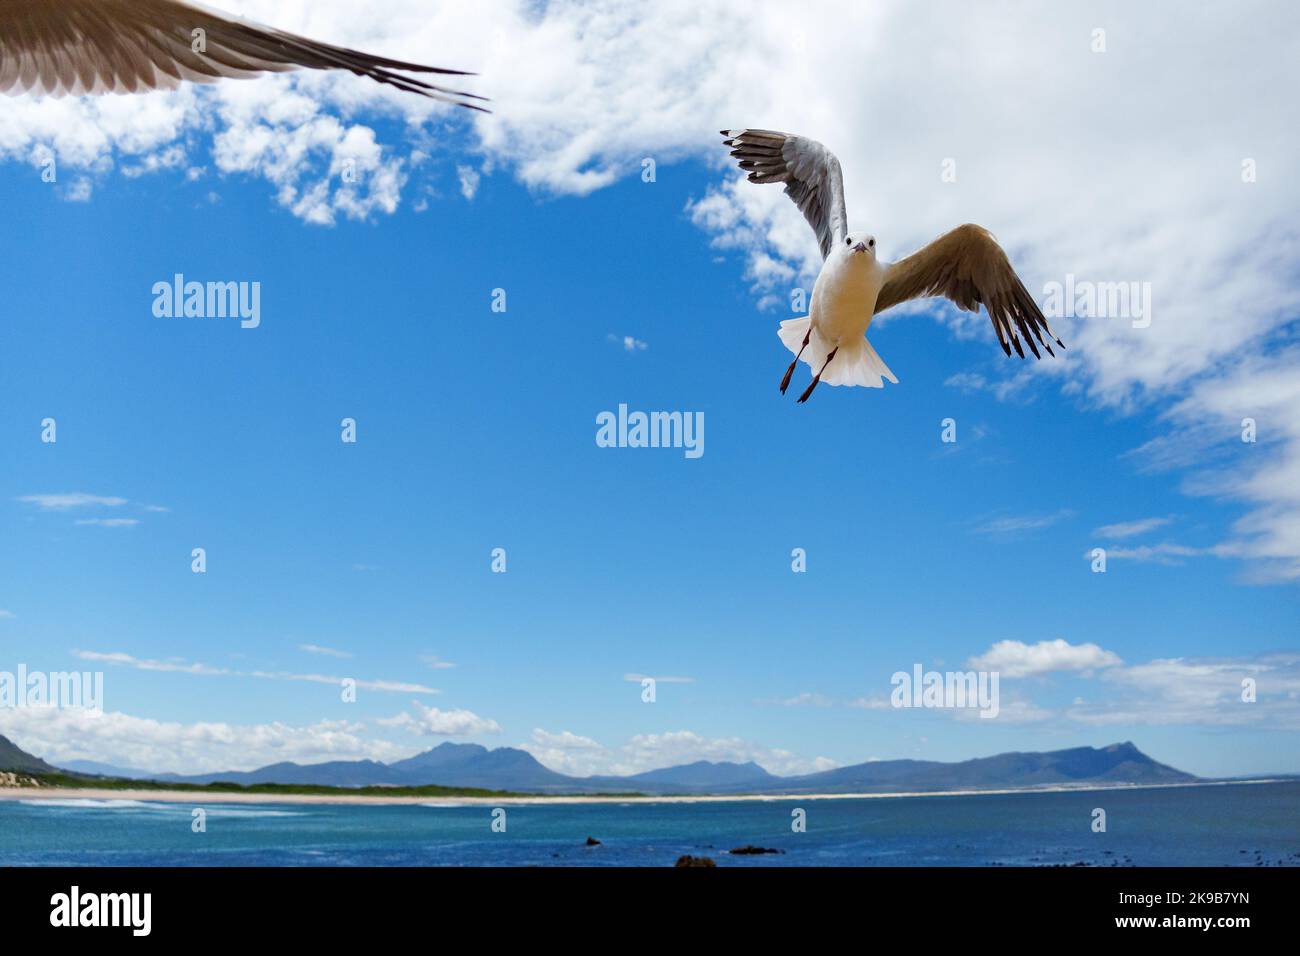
(194, 798)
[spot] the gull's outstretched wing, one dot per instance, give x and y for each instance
(969, 267)
(810, 171)
(127, 46)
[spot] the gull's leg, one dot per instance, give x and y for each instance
(785, 382)
(818, 377)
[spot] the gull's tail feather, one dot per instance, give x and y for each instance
(856, 363)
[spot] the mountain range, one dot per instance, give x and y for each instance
(507, 768)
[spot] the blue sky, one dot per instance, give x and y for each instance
(476, 430)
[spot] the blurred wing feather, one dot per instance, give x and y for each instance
(60, 47)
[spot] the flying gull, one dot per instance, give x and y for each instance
(966, 265)
(75, 47)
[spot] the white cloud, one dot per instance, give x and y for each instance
(1130, 529)
(6, 614)
(436, 663)
(80, 190)
(573, 754)
(109, 522)
(806, 699)
(282, 129)
(75, 499)
(627, 342)
(384, 686)
(1207, 428)
(870, 703)
(1187, 692)
(564, 740)
(323, 651)
(143, 664)
(469, 179)
(1020, 524)
(1165, 553)
(1017, 659)
(171, 157)
(59, 735)
(1200, 692)
(442, 723)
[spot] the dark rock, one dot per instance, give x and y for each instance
(750, 850)
(592, 841)
(689, 860)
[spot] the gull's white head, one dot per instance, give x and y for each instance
(859, 244)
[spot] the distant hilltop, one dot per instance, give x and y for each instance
(20, 761)
(507, 768)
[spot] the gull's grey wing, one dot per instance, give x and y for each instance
(810, 171)
(127, 46)
(969, 267)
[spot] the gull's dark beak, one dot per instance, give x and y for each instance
(860, 247)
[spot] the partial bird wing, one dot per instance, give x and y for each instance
(969, 267)
(810, 171)
(59, 47)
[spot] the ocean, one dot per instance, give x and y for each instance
(1237, 825)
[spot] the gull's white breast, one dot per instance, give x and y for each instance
(844, 296)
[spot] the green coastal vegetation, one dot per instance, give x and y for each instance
(78, 781)
(40, 781)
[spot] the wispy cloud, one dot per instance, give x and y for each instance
(575, 754)
(806, 699)
(1130, 529)
(1166, 553)
(1261, 691)
(187, 667)
(469, 179)
(870, 703)
(144, 664)
(1011, 525)
(627, 342)
(1200, 692)
(108, 522)
(74, 499)
(435, 662)
(1001, 387)
(386, 686)
(323, 651)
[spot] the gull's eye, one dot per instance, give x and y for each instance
(848, 240)
(871, 242)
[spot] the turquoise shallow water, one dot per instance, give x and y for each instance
(1243, 825)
